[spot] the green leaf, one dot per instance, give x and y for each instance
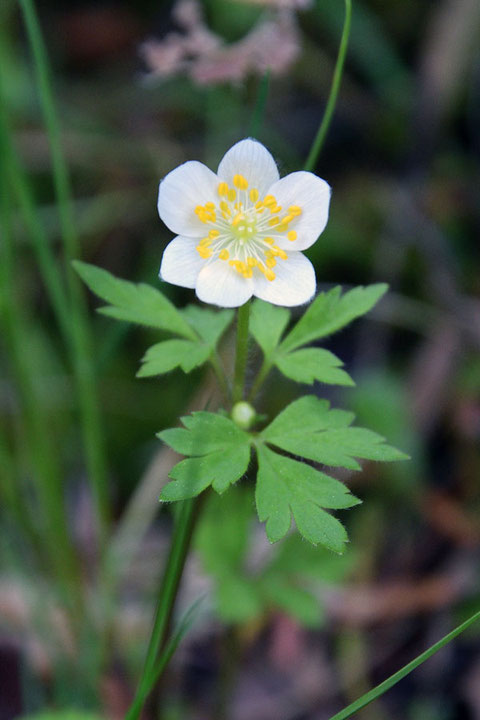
(330, 312)
(221, 455)
(267, 323)
(209, 324)
(286, 487)
(205, 433)
(165, 356)
(312, 364)
(140, 303)
(238, 598)
(219, 469)
(323, 435)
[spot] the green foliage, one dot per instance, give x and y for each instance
(328, 313)
(200, 329)
(219, 455)
(219, 450)
(286, 579)
(310, 364)
(135, 303)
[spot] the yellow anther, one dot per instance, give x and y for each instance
(222, 189)
(238, 205)
(231, 195)
(213, 234)
(199, 210)
(273, 221)
(295, 210)
(269, 200)
(261, 267)
(205, 242)
(225, 208)
(251, 261)
(209, 206)
(248, 273)
(254, 194)
(204, 252)
(224, 254)
(270, 262)
(270, 275)
(259, 205)
(240, 182)
(275, 209)
(281, 253)
(288, 218)
(238, 217)
(292, 235)
(268, 240)
(282, 226)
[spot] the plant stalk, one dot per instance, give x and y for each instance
(332, 98)
(241, 353)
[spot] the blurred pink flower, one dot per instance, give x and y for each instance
(272, 44)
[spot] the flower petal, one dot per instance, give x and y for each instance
(252, 160)
(181, 263)
(312, 195)
(180, 192)
(294, 283)
(219, 284)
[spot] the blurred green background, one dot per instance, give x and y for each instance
(285, 632)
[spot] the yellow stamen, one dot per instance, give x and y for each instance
(292, 235)
(222, 189)
(273, 221)
(269, 200)
(251, 261)
(259, 205)
(240, 182)
(204, 252)
(280, 253)
(275, 209)
(270, 262)
(268, 240)
(270, 275)
(224, 207)
(213, 234)
(205, 242)
(209, 206)
(238, 217)
(295, 210)
(254, 194)
(231, 195)
(224, 254)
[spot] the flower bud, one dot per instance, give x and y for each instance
(243, 414)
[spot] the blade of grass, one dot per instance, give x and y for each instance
(81, 341)
(260, 106)
(180, 543)
(332, 98)
(396, 677)
(46, 471)
(165, 656)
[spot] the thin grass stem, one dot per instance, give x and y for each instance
(80, 334)
(332, 98)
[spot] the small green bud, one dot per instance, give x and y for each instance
(243, 414)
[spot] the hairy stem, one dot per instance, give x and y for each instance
(241, 354)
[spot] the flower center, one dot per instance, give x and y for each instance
(244, 230)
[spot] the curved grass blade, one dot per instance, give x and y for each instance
(377, 691)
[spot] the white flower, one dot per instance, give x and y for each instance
(240, 231)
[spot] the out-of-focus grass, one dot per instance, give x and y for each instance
(402, 211)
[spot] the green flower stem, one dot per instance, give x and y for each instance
(221, 377)
(332, 99)
(80, 336)
(260, 379)
(260, 105)
(241, 354)
(182, 535)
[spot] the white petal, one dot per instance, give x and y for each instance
(219, 284)
(181, 263)
(252, 160)
(294, 283)
(180, 192)
(312, 195)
